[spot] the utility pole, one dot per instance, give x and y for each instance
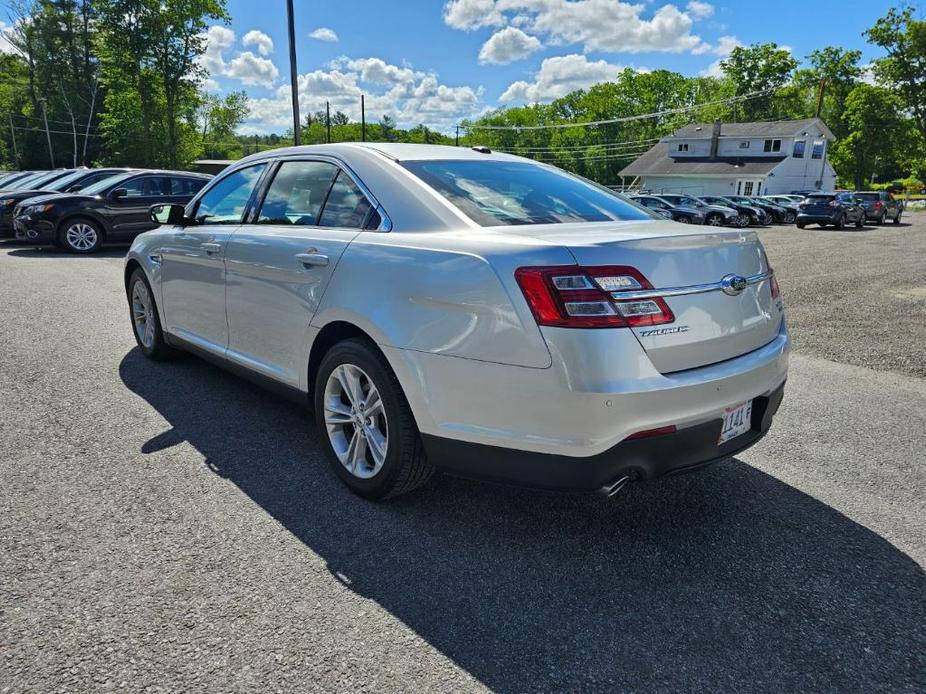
(51, 152)
(820, 98)
(293, 74)
(328, 121)
(458, 136)
(13, 136)
(363, 119)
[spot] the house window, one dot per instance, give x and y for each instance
(744, 144)
(747, 188)
(799, 149)
(773, 145)
(817, 152)
(682, 146)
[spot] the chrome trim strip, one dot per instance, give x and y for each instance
(684, 291)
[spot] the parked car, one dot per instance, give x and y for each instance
(714, 215)
(685, 215)
(113, 209)
(34, 178)
(753, 214)
(468, 311)
(71, 183)
(805, 193)
(783, 198)
(880, 205)
(837, 209)
(776, 213)
(13, 176)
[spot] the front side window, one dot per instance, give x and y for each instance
(297, 193)
(346, 205)
(227, 200)
(495, 193)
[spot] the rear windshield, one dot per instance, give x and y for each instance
(495, 193)
(820, 198)
(868, 196)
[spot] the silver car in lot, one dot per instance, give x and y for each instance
(455, 309)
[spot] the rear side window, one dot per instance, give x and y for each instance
(145, 187)
(185, 186)
(346, 206)
(495, 193)
(227, 200)
(297, 193)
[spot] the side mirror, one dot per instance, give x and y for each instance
(167, 214)
(75, 189)
(118, 193)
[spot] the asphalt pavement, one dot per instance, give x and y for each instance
(170, 527)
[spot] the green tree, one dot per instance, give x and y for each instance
(220, 117)
(877, 133)
(148, 54)
(762, 67)
(838, 70)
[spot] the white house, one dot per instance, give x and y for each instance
(738, 159)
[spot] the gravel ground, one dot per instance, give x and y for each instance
(169, 527)
(857, 297)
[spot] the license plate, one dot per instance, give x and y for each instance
(737, 420)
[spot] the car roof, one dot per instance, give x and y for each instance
(397, 151)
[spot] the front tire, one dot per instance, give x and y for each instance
(81, 235)
(682, 220)
(800, 225)
(790, 217)
(714, 220)
(897, 218)
(365, 424)
(860, 222)
(146, 325)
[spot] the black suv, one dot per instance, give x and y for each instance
(837, 209)
(73, 181)
(114, 209)
(880, 205)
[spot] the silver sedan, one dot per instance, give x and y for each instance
(455, 309)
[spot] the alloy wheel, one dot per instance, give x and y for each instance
(81, 236)
(143, 314)
(715, 220)
(355, 419)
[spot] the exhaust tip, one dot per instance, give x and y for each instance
(611, 489)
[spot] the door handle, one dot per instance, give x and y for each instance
(210, 247)
(312, 259)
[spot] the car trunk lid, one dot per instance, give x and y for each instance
(710, 325)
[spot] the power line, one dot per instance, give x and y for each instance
(624, 119)
(603, 145)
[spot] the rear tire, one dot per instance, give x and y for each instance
(800, 225)
(80, 235)
(860, 222)
(365, 424)
(880, 220)
(790, 217)
(146, 325)
(840, 223)
(683, 220)
(897, 218)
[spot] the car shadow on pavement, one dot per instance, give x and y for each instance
(727, 579)
(43, 252)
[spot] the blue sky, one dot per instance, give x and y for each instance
(436, 62)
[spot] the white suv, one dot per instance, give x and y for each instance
(477, 313)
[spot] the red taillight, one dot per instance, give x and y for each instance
(570, 296)
(776, 291)
(647, 433)
(879, 205)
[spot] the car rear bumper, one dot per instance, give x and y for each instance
(812, 218)
(644, 458)
(601, 389)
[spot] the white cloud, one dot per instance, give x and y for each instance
(725, 46)
(210, 85)
(5, 32)
(472, 14)
(598, 25)
(560, 75)
(324, 34)
(218, 40)
(700, 10)
(508, 45)
(252, 69)
(407, 95)
(260, 40)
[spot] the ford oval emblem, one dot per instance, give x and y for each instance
(733, 284)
